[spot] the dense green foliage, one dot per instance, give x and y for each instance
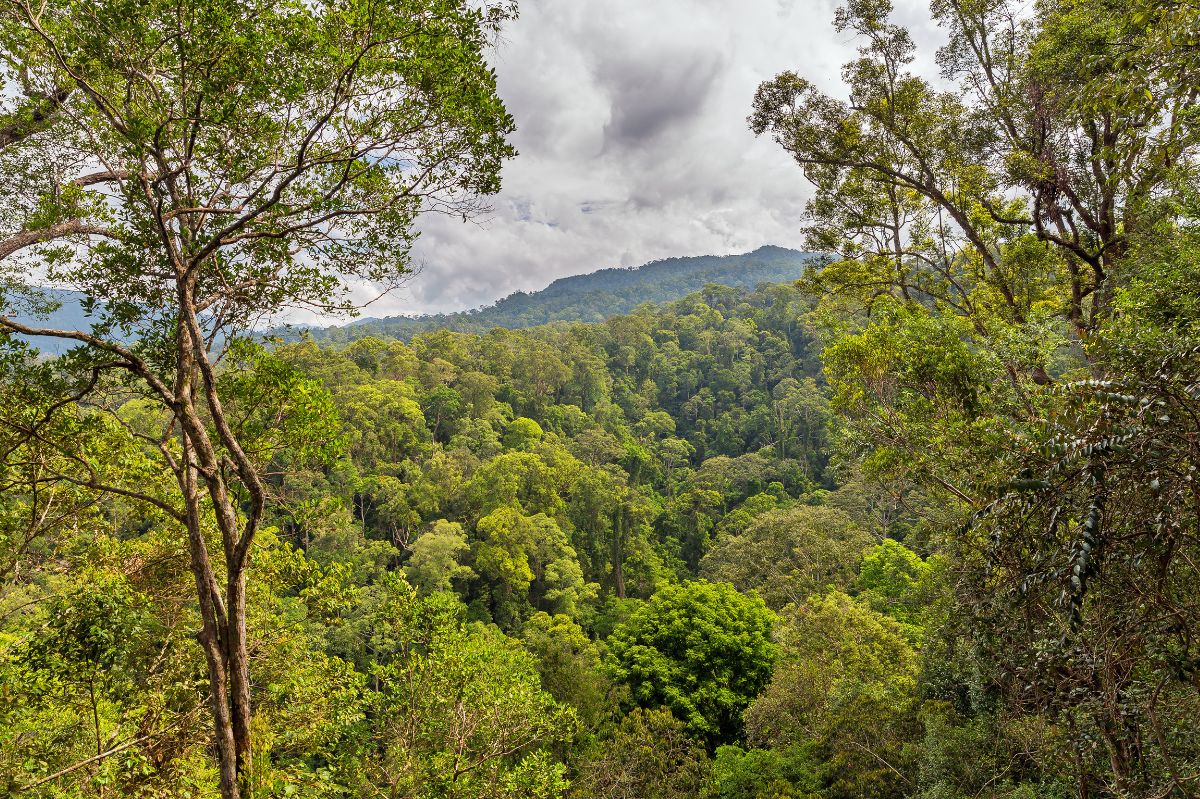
(703, 650)
(922, 525)
(532, 488)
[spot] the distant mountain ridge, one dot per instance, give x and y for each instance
(591, 297)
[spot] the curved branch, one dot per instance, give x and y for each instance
(44, 114)
(62, 230)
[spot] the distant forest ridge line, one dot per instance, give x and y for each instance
(591, 297)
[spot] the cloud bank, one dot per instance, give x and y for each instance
(633, 142)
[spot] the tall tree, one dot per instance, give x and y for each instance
(1059, 127)
(194, 165)
(1014, 230)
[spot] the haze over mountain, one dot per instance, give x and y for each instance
(591, 297)
(69, 315)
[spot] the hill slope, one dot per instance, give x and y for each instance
(593, 297)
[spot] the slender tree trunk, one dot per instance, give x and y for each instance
(224, 634)
(618, 554)
(239, 674)
(210, 636)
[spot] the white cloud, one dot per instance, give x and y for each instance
(633, 142)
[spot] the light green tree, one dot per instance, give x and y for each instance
(437, 556)
(787, 555)
(649, 754)
(846, 681)
(457, 710)
(194, 167)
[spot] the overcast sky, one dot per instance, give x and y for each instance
(631, 127)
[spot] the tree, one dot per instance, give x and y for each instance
(193, 167)
(502, 556)
(945, 196)
(442, 407)
(522, 434)
(800, 414)
(764, 774)
(845, 681)
(100, 689)
(989, 224)
(649, 754)
(787, 555)
(385, 421)
(570, 665)
(437, 556)
(701, 649)
(36, 509)
(529, 556)
(896, 582)
(689, 518)
(457, 710)
(1009, 323)
(673, 453)
(1086, 598)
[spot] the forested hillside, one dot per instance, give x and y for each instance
(543, 517)
(922, 524)
(593, 297)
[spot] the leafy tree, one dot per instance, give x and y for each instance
(701, 649)
(991, 239)
(522, 434)
(845, 680)
(386, 419)
(801, 415)
(192, 168)
(102, 686)
(516, 478)
(763, 773)
(649, 754)
(1089, 550)
(689, 520)
(895, 581)
(437, 557)
(570, 665)
(518, 552)
(673, 453)
(442, 407)
(502, 553)
(457, 710)
(941, 195)
(789, 554)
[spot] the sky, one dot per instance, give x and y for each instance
(633, 142)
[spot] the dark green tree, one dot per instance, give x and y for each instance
(701, 649)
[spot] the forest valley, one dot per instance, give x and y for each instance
(925, 523)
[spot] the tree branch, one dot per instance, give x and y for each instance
(71, 227)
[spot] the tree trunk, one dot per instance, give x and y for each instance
(239, 675)
(211, 636)
(618, 554)
(223, 636)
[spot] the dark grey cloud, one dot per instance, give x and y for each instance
(654, 96)
(633, 141)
